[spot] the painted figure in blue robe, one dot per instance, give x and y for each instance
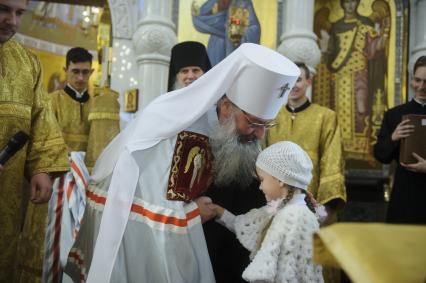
(229, 23)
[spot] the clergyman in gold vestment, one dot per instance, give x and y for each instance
(24, 106)
(88, 124)
(316, 130)
(72, 104)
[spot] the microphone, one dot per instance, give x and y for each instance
(13, 145)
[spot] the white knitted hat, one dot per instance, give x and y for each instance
(287, 162)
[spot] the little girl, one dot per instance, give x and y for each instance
(279, 235)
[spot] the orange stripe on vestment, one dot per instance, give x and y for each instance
(70, 188)
(95, 198)
(57, 230)
(77, 170)
(76, 256)
(79, 262)
(136, 208)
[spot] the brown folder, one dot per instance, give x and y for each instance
(416, 142)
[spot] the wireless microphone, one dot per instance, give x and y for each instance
(13, 145)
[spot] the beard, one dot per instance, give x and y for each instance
(234, 160)
(177, 85)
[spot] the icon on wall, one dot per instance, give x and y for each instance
(131, 100)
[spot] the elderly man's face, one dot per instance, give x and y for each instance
(248, 127)
(187, 75)
(235, 144)
(11, 12)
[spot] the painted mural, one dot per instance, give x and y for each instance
(225, 24)
(355, 38)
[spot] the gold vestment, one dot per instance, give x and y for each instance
(104, 122)
(316, 130)
(86, 127)
(24, 106)
(73, 119)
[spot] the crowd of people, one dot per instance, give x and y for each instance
(185, 192)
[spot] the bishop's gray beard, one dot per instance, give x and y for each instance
(234, 162)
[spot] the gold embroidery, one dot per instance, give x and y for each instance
(238, 22)
(48, 143)
(346, 40)
(73, 120)
(75, 137)
(15, 110)
(103, 115)
(190, 172)
(25, 106)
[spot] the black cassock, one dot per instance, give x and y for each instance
(229, 258)
(408, 199)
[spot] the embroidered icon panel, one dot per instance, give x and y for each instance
(191, 170)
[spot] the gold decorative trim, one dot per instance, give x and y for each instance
(48, 143)
(15, 110)
(104, 116)
(75, 137)
(332, 178)
(186, 143)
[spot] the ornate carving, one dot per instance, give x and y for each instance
(301, 50)
(154, 38)
(121, 18)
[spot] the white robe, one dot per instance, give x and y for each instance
(163, 240)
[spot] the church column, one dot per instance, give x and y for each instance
(153, 40)
(298, 41)
(419, 48)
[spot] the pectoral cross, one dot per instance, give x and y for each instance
(283, 89)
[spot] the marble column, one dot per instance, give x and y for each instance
(419, 32)
(154, 37)
(298, 41)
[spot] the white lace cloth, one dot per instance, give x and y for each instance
(286, 251)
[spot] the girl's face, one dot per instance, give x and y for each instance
(271, 186)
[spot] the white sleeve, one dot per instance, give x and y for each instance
(249, 227)
(228, 220)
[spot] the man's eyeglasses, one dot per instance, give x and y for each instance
(84, 72)
(266, 125)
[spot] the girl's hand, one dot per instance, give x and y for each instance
(217, 209)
